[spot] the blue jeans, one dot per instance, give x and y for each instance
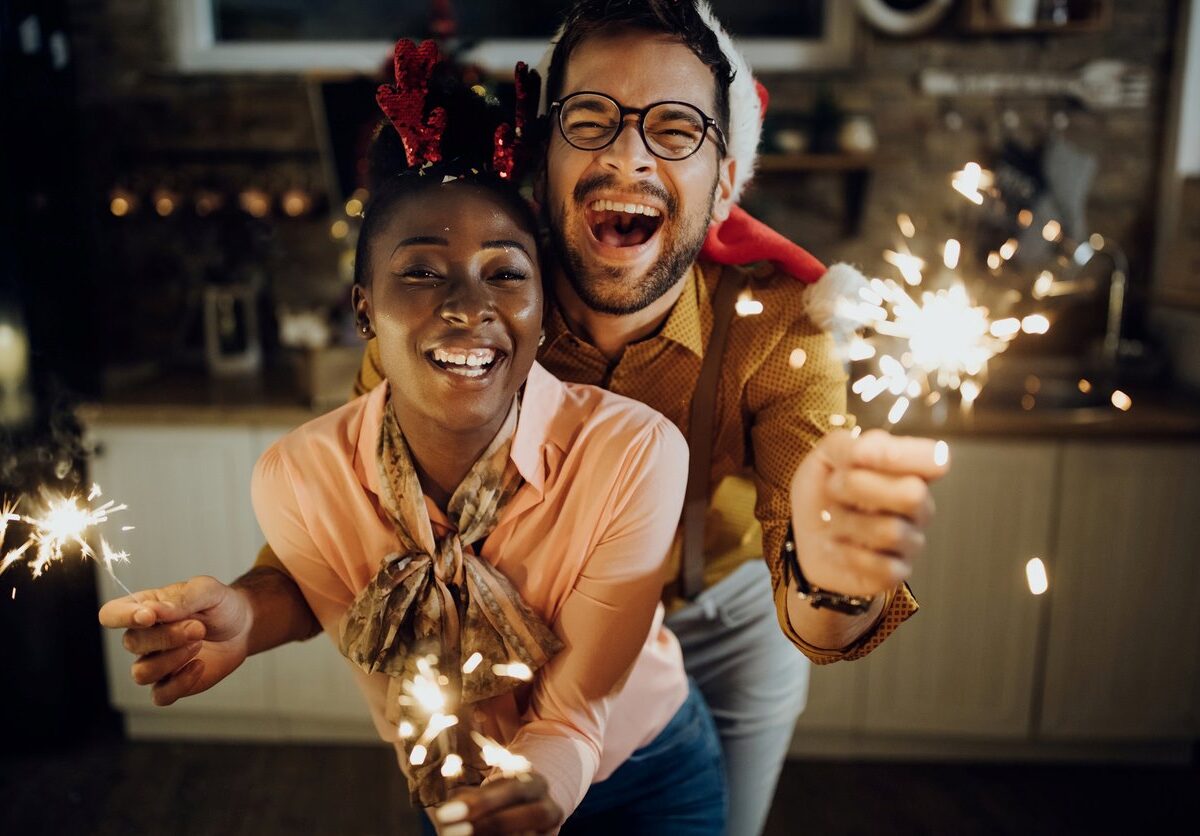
(672, 786)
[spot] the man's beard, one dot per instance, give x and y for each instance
(612, 290)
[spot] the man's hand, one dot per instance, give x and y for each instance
(508, 805)
(187, 637)
(860, 507)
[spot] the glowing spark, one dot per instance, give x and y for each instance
(1052, 231)
(516, 670)
(418, 754)
(1008, 249)
(969, 181)
(472, 662)
(437, 724)
(405, 730)
(1028, 402)
(1035, 575)
(941, 453)
(898, 409)
(907, 228)
(495, 755)
(970, 391)
(1025, 218)
(909, 265)
(1005, 328)
(1121, 401)
(993, 260)
(424, 688)
(1096, 240)
(1035, 324)
(1043, 285)
(1085, 385)
(797, 358)
(951, 251)
(837, 420)
(63, 523)
(856, 432)
(826, 516)
(747, 305)
(452, 766)
(860, 349)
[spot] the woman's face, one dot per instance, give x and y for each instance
(455, 300)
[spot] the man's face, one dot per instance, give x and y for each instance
(618, 261)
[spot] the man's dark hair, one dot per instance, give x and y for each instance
(678, 19)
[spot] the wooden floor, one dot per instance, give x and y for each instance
(113, 787)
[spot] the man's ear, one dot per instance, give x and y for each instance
(363, 321)
(723, 198)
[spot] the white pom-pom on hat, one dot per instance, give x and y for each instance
(826, 300)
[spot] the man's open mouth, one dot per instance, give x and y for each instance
(470, 363)
(620, 224)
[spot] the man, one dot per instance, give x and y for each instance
(631, 190)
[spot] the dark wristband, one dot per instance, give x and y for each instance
(817, 598)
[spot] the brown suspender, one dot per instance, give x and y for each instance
(700, 438)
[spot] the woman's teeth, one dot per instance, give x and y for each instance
(629, 208)
(473, 363)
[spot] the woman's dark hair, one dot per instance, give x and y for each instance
(466, 150)
(678, 19)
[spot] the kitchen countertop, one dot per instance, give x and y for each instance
(273, 400)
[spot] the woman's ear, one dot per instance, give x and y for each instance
(362, 312)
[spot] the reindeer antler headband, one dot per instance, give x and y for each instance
(403, 102)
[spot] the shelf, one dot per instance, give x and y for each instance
(978, 20)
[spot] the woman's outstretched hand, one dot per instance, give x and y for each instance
(508, 805)
(187, 636)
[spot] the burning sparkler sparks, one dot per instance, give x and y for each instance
(425, 693)
(65, 522)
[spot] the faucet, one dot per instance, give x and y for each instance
(1084, 254)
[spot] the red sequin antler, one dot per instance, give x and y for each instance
(404, 102)
(509, 144)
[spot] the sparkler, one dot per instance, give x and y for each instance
(930, 337)
(64, 523)
(425, 693)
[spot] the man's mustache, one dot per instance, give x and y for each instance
(584, 188)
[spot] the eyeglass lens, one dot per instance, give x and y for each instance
(672, 130)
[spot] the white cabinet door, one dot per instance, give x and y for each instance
(188, 491)
(964, 664)
(310, 681)
(1124, 646)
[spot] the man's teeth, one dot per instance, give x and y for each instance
(472, 359)
(629, 208)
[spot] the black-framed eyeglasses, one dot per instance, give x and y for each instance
(671, 130)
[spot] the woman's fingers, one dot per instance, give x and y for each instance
(162, 637)
(157, 666)
(180, 684)
(508, 805)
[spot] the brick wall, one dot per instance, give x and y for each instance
(140, 111)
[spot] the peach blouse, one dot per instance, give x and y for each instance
(583, 541)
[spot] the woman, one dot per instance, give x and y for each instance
(475, 506)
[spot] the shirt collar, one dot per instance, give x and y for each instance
(684, 324)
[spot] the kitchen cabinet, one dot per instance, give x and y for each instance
(1110, 653)
(1122, 654)
(188, 491)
